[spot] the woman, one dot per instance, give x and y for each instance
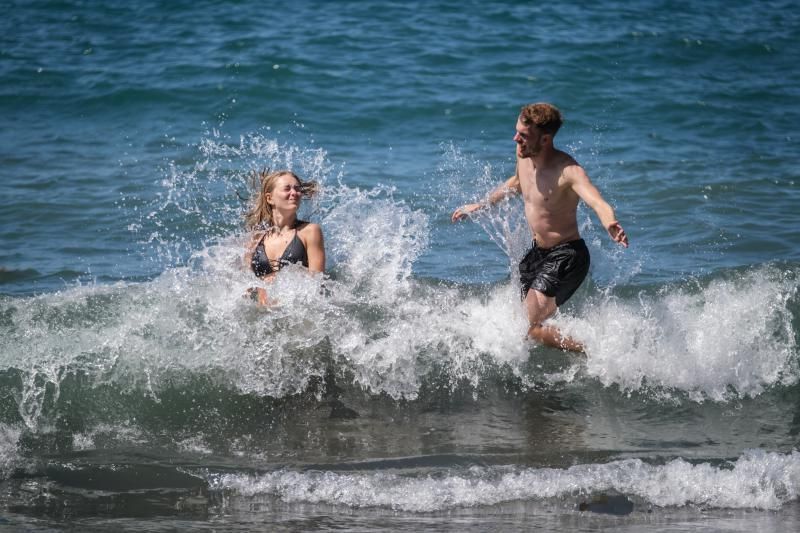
(278, 236)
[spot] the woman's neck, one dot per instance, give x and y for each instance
(281, 223)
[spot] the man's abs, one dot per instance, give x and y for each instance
(549, 231)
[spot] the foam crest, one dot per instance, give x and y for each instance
(732, 337)
(756, 480)
(391, 335)
(374, 240)
(433, 333)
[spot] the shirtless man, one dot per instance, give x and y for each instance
(551, 183)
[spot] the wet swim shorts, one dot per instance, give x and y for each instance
(556, 271)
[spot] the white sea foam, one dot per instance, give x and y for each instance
(757, 480)
(733, 337)
(390, 332)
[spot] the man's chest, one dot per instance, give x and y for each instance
(543, 188)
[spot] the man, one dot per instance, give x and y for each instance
(551, 182)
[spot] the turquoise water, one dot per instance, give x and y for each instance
(139, 391)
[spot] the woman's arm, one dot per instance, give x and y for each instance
(248, 252)
(315, 247)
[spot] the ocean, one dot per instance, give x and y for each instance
(140, 391)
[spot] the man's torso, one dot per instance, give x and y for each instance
(550, 203)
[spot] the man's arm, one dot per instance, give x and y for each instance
(501, 192)
(587, 192)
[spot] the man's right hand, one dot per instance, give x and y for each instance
(464, 211)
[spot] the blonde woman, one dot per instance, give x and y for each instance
(278, 236)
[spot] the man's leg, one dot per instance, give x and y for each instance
(541, 307)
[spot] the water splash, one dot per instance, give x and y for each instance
(730, 337)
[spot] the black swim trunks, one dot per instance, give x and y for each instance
(556, 271)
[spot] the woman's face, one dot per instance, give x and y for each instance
(286, 194)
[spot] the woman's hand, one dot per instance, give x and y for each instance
(258, 295)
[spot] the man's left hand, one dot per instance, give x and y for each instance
(617, 233)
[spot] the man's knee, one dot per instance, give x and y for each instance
(540, 306)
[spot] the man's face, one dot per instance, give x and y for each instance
(528, 140)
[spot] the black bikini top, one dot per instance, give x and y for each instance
(295, 252)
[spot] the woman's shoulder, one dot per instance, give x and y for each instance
(310, 232)
(256, 235)
(306, 227)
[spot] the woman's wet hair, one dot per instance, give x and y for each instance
(263, 183)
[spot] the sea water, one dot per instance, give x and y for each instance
(140, 391)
